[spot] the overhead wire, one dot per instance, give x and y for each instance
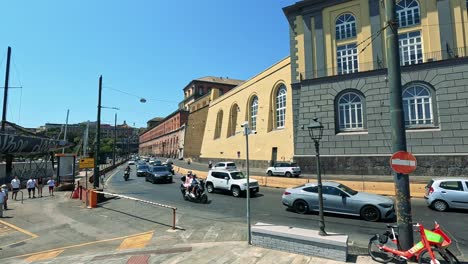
(21, 89)
(137, 96)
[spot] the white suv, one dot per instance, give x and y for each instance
(230, 180)
(227, 165)
(287, 169)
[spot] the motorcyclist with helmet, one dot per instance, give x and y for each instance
(188, 182)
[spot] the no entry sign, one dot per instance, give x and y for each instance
(403, 162)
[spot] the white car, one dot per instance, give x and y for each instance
(230, 180)
(131, 162)
(227, 165)
(287, 169)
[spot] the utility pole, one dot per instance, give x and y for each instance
(115, 140)
(402, 191)
(85, 141)
(65, 133)
(8, 157)
(98, 138)
(5, 92)
(246, 133)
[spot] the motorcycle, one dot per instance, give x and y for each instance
(126, 175)
(200, 192)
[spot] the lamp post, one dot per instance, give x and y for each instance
(115, 140)
(98, 134)
(315, 132)
(247, 131)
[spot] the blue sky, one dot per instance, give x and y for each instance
(148, 48)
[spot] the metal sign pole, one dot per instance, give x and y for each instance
(86, 185)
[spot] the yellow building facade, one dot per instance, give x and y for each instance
(264, 101)
(328, 34)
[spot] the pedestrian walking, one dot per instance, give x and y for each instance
(40, 185)
(31, 185)
(5, 190)
(210, 165)
(51, 184)
(15, 185)
(2, 200)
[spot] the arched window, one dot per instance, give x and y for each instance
(253, 113)
(281, 107)
(232, 120)
(219, 123)
(417, 106)
(350, 111)
(345, 26)
(408, 13)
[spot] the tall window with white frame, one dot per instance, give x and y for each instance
(410, 48)
(346, 53)
(408, 13)
(350, 112)
(253, 113)
(345, 26)
(417, 106)
(347, 59)
(281, 106)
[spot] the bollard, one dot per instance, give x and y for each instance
(173, 218)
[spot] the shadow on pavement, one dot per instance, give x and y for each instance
(392, 220)
(139, 217)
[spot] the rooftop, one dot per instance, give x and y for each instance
(225, 80)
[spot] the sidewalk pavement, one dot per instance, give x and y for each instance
(378, 184)
(57, 229)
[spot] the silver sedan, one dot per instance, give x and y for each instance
(338, 198)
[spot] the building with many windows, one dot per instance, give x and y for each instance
(166, 139)
(263, 101)
(338, 58)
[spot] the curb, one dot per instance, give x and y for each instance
(417, 190)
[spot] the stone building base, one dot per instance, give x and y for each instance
(430, 165)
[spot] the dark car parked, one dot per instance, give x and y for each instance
(142, 170)
(159, 174)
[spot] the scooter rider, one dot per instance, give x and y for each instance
(194, 185)
(188, 182)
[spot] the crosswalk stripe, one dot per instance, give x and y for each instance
(135, 242)
(44, 256)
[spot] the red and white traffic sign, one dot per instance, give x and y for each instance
(403, 162)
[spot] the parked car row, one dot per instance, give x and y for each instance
(288, 169)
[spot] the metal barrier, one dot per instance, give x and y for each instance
(147, 202)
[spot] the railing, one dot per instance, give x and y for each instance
(146, 202)
(446, 54)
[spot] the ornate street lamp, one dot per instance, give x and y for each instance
(315, 132)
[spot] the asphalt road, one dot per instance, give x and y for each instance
(266, 207)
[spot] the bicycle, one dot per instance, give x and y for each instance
(432, 249)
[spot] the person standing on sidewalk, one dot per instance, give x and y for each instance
(40, 185)
(15, 185)
(2, 200)
(51, 184)
(5, 190)
(31, 185)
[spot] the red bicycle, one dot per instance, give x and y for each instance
(432, 249)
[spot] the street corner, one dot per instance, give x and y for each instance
(11, 235)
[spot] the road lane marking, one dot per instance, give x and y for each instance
(135, 242)
(43, 256)
(80, 245)
(19, 229)
(112, 175)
